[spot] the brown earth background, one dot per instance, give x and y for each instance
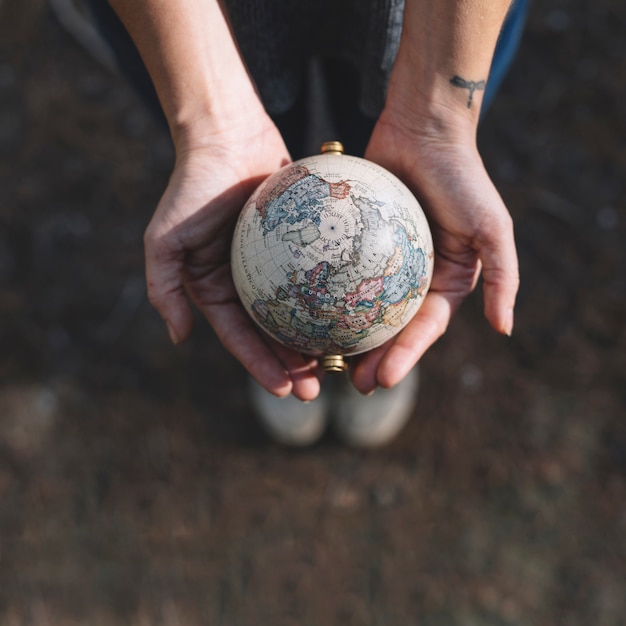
(137, 489)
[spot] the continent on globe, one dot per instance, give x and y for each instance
(297, 196)
(332, 255)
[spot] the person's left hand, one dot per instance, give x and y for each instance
(472, 231)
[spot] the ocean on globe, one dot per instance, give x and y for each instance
(332, 254)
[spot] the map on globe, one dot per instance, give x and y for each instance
(332, 254)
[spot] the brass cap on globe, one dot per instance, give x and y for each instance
(334, 363)
(332, 147)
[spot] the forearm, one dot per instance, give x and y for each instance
(199, 76)
(444, 59)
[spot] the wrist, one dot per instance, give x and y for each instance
(206, 125)
(443, 62)
(429, 118)
(422, 100)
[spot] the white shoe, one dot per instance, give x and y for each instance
(359, 421)
(373, 421)
(289, 420)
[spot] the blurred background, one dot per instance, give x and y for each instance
(136, 487)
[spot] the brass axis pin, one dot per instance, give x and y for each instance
(333, 363)
(332, 147)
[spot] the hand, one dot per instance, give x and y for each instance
(187, 247)
(472, 230)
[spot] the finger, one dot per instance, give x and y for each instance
(279, 370)
(243, 341)
(451, 283)
(165, 285)
(363, 369)
(386, 367)
(500, 273)
(304, 371)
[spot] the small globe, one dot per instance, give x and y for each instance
(332, 255)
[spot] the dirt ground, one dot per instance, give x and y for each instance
(136, 487)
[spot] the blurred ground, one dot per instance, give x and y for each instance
(136, 488)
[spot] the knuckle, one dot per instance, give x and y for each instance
(151, 238)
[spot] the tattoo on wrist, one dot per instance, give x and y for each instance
(472, 85)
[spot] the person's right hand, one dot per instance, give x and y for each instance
(187, 247)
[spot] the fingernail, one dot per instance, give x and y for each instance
(172, 333)
(509, 323)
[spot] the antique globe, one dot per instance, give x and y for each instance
(332, 256)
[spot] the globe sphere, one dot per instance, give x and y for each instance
(332, 255)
